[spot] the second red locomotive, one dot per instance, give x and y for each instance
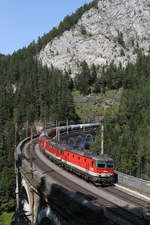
(98, 169)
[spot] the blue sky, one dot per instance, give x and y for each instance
(21, 22)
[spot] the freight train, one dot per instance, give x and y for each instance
(91, 166)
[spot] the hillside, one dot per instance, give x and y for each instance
(111, 31)
(92, 107)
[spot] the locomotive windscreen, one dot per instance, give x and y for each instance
(100, 164)
(104, 164)
(110, 164)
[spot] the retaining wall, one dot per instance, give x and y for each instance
(134, 182)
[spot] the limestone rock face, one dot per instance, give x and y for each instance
(111, 32)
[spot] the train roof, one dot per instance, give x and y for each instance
(87, 153)
(82, 152)
(92, 155)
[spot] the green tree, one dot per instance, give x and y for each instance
(82, 79)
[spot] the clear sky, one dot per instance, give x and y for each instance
(22, 21)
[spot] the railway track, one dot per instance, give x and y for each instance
(132, 215)
(144, 204)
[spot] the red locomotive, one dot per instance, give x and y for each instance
(98, 169)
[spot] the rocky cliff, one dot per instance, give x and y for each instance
(111, 32)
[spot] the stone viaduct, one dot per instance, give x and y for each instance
(39, 197)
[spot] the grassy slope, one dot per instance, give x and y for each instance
(5, 218)
(87, 106)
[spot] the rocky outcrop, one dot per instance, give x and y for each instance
(111, 32)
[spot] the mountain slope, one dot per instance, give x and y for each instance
(111, 32)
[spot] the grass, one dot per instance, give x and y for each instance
(95, 104)
(5, 218)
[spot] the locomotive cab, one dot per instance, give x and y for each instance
(104, 164)
(105, 170)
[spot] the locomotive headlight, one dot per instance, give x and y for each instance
(105, 174)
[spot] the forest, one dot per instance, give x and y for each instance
(28, 93)
(127, 128)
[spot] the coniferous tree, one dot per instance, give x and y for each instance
(82, 79)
